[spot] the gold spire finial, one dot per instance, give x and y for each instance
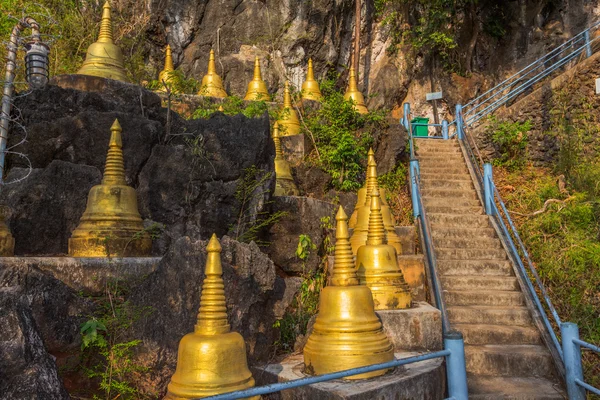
(164, 77)
(212, 316)
(111, 225)
(106, 28)
(310, 87)
(104, 58)
(169, 66)
(212, 84)
(371, 180)
(257, 88)
(284, 181)
(376, 232)
(344, 271)
(352, 93)
(288, 118)
(212, 359)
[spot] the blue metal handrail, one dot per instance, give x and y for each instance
(571, 344)
(450, 354)
(506, 91)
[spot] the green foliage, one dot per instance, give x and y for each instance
(107, 349)
(251, 189)
(305, 246)
(563, 243)
(70, 26)
(342, 136)
(397, 195)
(234, 105)
(511, 140)
(177, 83)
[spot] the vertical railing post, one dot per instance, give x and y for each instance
(406, 117)
(414, 175)
(459, 122)
(588, 44)
(572, 358)
(456, 371)
(488, 187)
(445, 129)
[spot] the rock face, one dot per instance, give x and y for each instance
(186, 172)
(252, 288)
(39, 316)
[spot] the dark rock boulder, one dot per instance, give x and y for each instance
(252, 288)
(28, 371)
(390, 147)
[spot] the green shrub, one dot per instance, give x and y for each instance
(511, 140)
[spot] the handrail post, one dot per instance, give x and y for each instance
(488, 187)
(406, 117)
(414, 175)
(456, 371)
(572, 359)
(588, 45)
(459, 122)
(445, 129)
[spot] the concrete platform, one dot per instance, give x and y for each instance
(422, 380)
(88, 275)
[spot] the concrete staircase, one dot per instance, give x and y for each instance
(505, 355)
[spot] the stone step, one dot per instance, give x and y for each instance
(513, 388)
(440, 156)
(453, 220)
(449, 253)
(453, 209)
(509, 360)
(460, 202)
(441, 171)
(474, 267)
(433, 150)
(477, 282)
(442, 182)
(468, 243)
(465, 176)
(498, 334)
(514, 316)
(441, 231)
(441, 163)
(449, 194)
(498, 298)
(436, 143)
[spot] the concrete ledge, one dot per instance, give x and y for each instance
(422, 380)
(89, 275)
(415, 329)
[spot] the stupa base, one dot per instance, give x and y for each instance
(422, 380)
(110, 246)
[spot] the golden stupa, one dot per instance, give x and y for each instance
(310, 87)
(164, 77)
(257, 88)
(288, 117)
(284, 182)
(354, 94)
(104, 58)
(377, 264)
(212, 85)
(212, 359)
(7, 241)
(359, 221)
(111, 224)
(347, 333)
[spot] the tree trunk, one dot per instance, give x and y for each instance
(357, 39)
(473, 41)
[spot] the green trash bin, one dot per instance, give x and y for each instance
(420, 130)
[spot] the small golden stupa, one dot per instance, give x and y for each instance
(284, 182)
(111, 224)
(104, 58)
(7, 241)
(257, 88)
(164, 77)
(288, 118)
(377, 264)
(310, 87)
(212, 85)
(212, 359)
(360, 216)
(354, 94)
(347, 332)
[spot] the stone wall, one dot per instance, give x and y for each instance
(579, 88)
